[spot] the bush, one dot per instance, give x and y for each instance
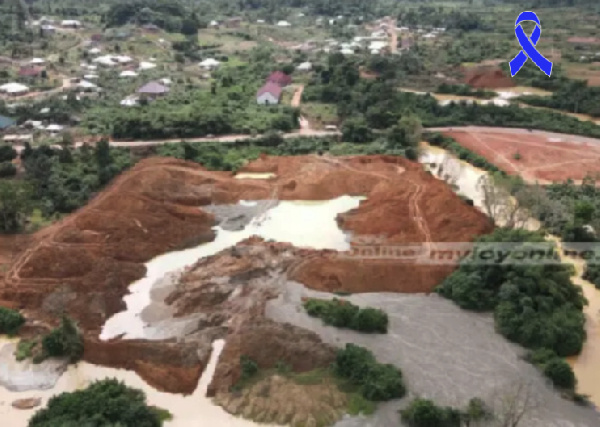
(560, 373)
(7, 169)
(425, 413)
(64, 341)
(10, 321)
(343, 314)
(376, 382)
(104, 403)
(248, 366)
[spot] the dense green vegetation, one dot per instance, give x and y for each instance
(555, 368)
(104, 403)
(377, 382)
(534, 305)
(425, 413)
(169, 15)
(10, 321)
(572, 96)
(343, 314)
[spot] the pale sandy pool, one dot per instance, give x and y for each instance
(195, 410)
(303, 224)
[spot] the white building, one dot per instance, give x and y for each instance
(304, 67)
(37, 61)
(284, 24)
(126, 74)
(14, 89)
(146, 66)
(94, 51)
(71, 23)
(210, 64)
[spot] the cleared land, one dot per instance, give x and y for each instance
(536, 156)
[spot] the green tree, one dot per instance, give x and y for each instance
(7, 153)
(561, 374)
(10, 321)
(7, 169)
(425, 413)
(64, 341)
(15, 205)
(104, 403)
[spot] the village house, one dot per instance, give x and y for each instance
(234, 22)
(210, 64)
(151, 28)
(71, 23)
(30, 72)
(304, 67)
(5, 123)
(47, 30)
(279, 78)
(284, 24)
(269, 94)
(153, 90)
(14, 89)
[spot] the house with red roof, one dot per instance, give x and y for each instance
(30, 71)
(269, 94)
(279, 78)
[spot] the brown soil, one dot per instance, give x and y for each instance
(268, 343)
(541, 160)
(489, 77)
(84, 264)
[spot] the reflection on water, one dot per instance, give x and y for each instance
(194, 410)
(303, 224)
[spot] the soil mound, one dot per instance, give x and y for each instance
(486, 77)
(84, 264)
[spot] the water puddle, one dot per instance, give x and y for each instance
(195, 410)
(303, 224)
(253, 175)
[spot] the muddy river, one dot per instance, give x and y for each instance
(587, 364)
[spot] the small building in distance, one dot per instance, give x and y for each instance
(269, 94)
(14, 89)
(71, 23)
(153, 90)
(279, 78)
(30, 71)
(234, 22)
(5, 123)
(210, 64)
(304, 67)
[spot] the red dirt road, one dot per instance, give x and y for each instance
(535, 156)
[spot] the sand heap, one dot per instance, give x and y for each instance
(84, 264)
(486, 77)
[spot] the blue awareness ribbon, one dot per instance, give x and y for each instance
(528, 45)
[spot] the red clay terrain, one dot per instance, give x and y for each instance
(532, 155)
(84, 264)
(486, 77)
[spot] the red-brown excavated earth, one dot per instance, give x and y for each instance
(486, 77)
(84, 264)
(536, 157)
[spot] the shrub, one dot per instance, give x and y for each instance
(248, 366)
(7, 169)
(64, 341)
(10, 321)
(104, 403)
(343, 314)
(376, 382)
(560, 373)
(425, 413)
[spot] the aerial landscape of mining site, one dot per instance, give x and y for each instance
(304, 213)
